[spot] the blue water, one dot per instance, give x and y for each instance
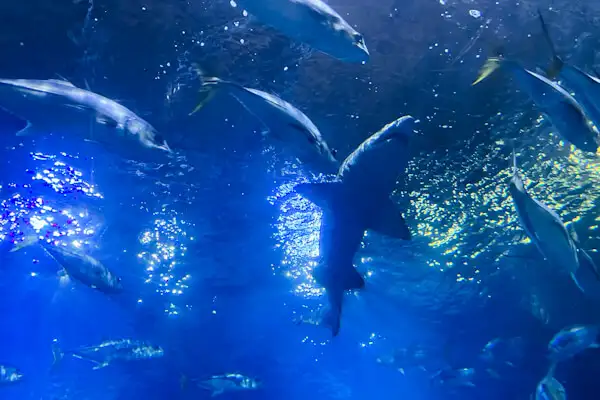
(214, 248)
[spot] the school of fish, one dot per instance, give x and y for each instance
(356, 200)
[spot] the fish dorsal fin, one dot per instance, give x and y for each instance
(62, 82)
(557, 63)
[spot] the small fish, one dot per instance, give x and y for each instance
(312, 22)
(561, 109)
(549, 388)
(571, 341)
(543, 226)
(9, 375)
(59, 106)
(79, 266)
(280, 120)
(501, 350)
(487, 353)
(585, 86)
(359, 199)
(462, 377)
(219, 384)
(108, 352)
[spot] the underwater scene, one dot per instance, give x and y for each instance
(292, 199)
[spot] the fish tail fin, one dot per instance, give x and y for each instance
(57, 354)
(557, 63)
(551, 369)
(209, 87)
(333, 316)
(26, 242)
(336, 286)
(514, 160)
(490, 66)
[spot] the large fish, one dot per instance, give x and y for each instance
(312, 22)
(219, 384)
(108, 352)
(561, 109)
(585, 86)
(57, 106)
(543, 226)
(358, 200)
(461, 377)
(79, 266)
(280, 120)
(572, 341)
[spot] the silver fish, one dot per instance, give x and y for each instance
(585, 86)
(219, 384)
(543, 226)
(549, 388)
(9, 375)
(561, 109)
(358, 200)
(280, 120)
(312, 22)
(108, 352)
(57, 106)
(78, 266)
(571, 341)
(455, 377)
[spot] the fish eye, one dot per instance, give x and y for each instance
(358, 38)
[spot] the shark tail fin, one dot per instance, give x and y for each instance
(557, 63)
(332, 319)
(491, 65)
(57, 354)
(346, 279)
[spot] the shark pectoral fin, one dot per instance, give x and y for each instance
(322, 194)
(29, 130)
(390, 222)
(217, 392)
(347, 279)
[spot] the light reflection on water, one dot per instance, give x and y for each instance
(67, 216)
(164, 246)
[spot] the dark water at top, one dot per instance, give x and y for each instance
(215, 249)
